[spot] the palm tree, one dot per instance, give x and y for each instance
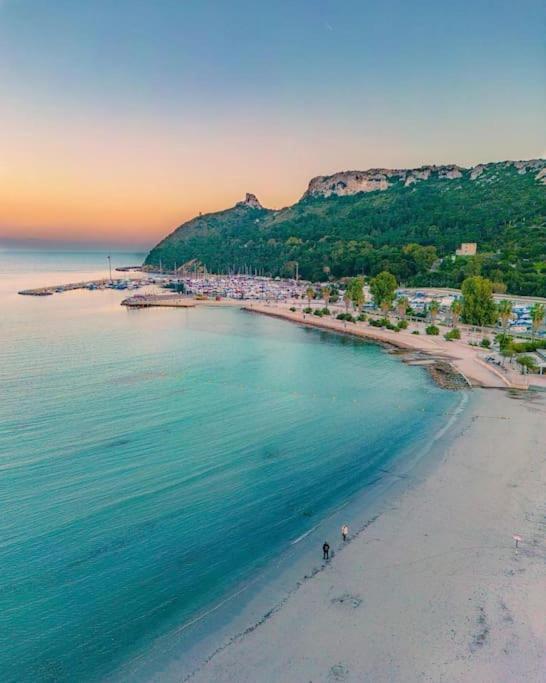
(347, 301)
(310, 294)
(456, 310)
(402, 304)
(504, 310)
(507, 352)
(434, 309)
(537, 316)
(386, 307)
(326, 292)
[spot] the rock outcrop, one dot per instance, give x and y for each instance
(379, 179)
(250, 201)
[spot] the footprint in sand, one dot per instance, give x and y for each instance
(347, 600)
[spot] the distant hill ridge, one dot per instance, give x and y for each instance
(366, 221)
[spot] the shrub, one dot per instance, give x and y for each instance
(455, 333)
(529, 346)
(345, 316)
(485, 343)
(293, 309)
(318, 312)
(403, 325)
(383, 322)
(326, 311)
(432, 330)
(416, 332)
(308, 309)
(362, 317)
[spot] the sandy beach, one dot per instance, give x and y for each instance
(434, 589)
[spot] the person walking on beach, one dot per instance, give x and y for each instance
(325, 551)
(344, 532)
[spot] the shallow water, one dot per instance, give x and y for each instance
(152, 460)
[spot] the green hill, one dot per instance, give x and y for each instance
(406, 221)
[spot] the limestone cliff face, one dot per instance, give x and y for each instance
(352, 182)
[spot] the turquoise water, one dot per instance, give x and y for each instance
(152, 460)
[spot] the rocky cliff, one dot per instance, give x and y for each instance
(346, 183)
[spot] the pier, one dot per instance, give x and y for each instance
(102, 283)
(150, 300)
(88, 284)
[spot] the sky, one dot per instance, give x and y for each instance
(120, 120)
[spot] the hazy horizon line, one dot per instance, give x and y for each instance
(70, 245)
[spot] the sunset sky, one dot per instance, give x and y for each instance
(120, 120)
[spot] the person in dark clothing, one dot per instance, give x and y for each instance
(325, 551)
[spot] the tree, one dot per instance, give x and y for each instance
(402, 304)
(478, 305)
(527, 364)
(504, 310)
(383, 287)
(456, 311)
(507, 351)
(347, 300)
(309, 294)
(537, 316)
(434, 309)
(355, 289)
(326, 292)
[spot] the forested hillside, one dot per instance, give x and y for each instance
(411, 227)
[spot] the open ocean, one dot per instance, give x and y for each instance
(152, 461)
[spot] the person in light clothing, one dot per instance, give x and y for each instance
(344, 532)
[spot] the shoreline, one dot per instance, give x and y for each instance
(433, 588)
(252, 604)
(464, 359)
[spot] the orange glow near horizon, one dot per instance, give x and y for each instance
(124, 184)
(132, 181)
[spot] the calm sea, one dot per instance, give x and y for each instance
(152, 461)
